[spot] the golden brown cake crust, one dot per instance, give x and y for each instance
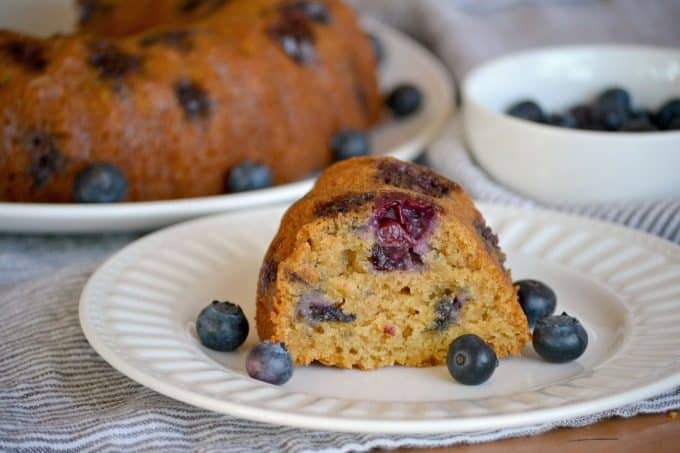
(180, 101)
(351, 186)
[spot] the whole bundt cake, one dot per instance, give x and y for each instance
(162, 99)
(383, 263)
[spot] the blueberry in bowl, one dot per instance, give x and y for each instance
(611, 111)
(668, 114)
(612, 108)
(527, 110)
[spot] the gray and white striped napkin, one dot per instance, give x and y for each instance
(57, 394)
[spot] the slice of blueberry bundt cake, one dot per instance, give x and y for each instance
(383, 263)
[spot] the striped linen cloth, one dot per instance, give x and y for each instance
(57, 394)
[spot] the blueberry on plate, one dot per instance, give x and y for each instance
(350, 143)
(470, 360)
(270, 362)
(248, 176)
(222, 326)
(537, 299)
(667, 113)
(378, 47)
(559, 339)
(100, 183)
(527, 110)
(612, 108)
(404, 100)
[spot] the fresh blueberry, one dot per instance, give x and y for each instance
(537, 300)
(565, 120)
(638, 124)
(378, 47)
(582, 116)
(667, 113)
(612, 108)
(559, 339)
(404, 100)
(248, 176)
(675, 124)
(527, 110)
(470, 360)
(270, 362)
(350, 143)
(222, 326)
(100, 183)
(644, 114)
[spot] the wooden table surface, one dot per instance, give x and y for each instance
(644, 433)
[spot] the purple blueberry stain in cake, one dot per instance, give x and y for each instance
(401, 226)
(414, 177)
(314, 308)
(176, 39)
(270, 268)
(295, 35)
(190, 6)
(343, 204)
(394, 258)
(89, 9)
(489, 239)
(112, 63)
(314, 10)
(30, 55)
(294, 277)
(46, 158)
(193, 99)
(447, 311)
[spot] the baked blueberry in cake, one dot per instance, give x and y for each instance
(385, 262)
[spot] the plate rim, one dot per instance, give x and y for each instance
(372, 425)
(154, 211)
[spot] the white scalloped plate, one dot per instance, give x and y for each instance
(138, 311)
(406, 61)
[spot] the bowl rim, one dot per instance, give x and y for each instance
(475, 72)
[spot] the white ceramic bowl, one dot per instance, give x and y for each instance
(558, 165)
